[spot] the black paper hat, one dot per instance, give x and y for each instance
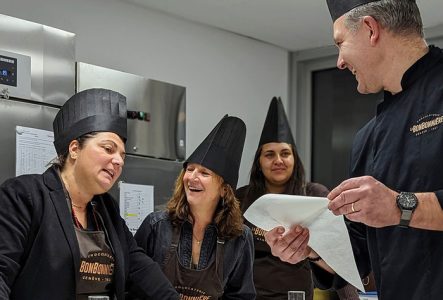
(88, 111)
(338, 8)
(222, 149)
(276, 128)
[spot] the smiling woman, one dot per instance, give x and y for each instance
(278, 169)
(202, 186)
(277, 164)
(200, 241)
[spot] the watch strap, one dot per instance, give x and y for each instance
(405, 218)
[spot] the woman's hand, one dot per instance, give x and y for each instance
(292, 246)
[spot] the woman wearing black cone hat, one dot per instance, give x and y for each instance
(278, 169)
(62, 236)
(200, 241)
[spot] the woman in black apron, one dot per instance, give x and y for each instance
(200, 241)
(62, 235)
(277, 169)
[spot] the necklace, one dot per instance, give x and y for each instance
(77, 222)
(75, 205)
(197, 240)
(69, 200)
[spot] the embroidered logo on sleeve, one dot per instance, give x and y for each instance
(427, 124)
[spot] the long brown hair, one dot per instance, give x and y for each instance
(296, 185)
(227, 217)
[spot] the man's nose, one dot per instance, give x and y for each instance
(341, 63)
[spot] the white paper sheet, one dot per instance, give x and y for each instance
(328, 234)
(34, 150)
(136, 202)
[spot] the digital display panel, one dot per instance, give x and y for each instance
(8, 70)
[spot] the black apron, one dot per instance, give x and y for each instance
(285, 276)
(96, 272)
(194, 284)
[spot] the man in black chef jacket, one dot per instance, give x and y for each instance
(394, 197)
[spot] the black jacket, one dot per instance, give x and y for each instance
(402, 147)
(39, 253)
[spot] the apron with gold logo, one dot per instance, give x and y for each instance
(96, 271)
(195, 284)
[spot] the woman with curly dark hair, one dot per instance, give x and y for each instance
(200, 240)
(277, 169)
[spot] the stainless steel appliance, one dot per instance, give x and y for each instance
(156, 117)
(52, 59)
(156, 144)
(39, 74)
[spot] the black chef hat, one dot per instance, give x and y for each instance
(276, 128)
(88, 111)
(338, 8)
(222, 149)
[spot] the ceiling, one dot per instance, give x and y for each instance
(290, 24)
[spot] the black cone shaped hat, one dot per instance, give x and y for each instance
(222, 149)
(89, 111)
(338, 8)
(276, 128)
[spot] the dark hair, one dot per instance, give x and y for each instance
(227, 217)
(60, 161)
(398, 16)
(296, 185)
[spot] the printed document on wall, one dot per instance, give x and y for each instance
(34, 150)
(136, 202)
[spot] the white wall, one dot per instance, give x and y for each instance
(223, 72)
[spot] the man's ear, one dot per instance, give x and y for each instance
(373, 28)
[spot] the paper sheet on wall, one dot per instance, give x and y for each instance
(328, 234)
(34, 150)
(136, 202)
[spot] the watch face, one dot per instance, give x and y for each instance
(408, 200)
